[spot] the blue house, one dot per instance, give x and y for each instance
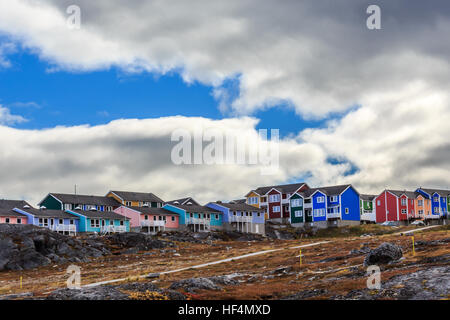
(196, 217)
(55, 220)
(100, 221)
(239, 216)
(439, 201)
(325, 206)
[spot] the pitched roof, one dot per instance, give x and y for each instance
(195, 208)
(7, 206)
(49, 213)
(138, 196)
(239, 201)
(441, 192)
(239, 207)
(399, 193)
(328, 191)
(149, 210)
(368, 197)
(100, 214)
(85, 199)
(183, 201)
(285, 188)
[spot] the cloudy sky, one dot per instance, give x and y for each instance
(96, 106)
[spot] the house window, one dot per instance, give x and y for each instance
(7, 220)
(404, 211)
(109, 208)
(95, 223)
(159, 218)
(68, 206)
(258, 214)
(403, 202)
(121, 222)
(298, 213)
(274, 198)
(146, 217)
(217, 217)
(420, 203)
(309, 214)
(378, 203)
(436, 199)
(72, 221)
(436, 210)
(154, 218)
(173, 218)
(111, 222)
(253, 200)
(19, 221)
(297, 202)
(346, 211)
(320, 199)
(420, 211)
(128, 203)
(276, 209)
(333, 199)
(61, 221)
(41, 222)
(164, 218)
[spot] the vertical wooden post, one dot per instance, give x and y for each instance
(414, 250)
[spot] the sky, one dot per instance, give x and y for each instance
(96, 106)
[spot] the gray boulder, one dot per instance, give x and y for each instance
(385, 253)
(194, 284)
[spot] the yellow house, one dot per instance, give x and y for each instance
(136, 199)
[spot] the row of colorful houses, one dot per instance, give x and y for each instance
(296, 204)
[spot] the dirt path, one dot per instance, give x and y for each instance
(95, 284)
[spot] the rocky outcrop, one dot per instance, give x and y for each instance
(213, 283)
(385, 253)
(136, 241)
(27, 247)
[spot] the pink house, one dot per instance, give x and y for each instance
(8, 215)
(149, 219)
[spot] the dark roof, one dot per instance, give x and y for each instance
(101, 214)
(195, 209)
(49, 213)
(368, 197)
(239, 207)
(85, 199)
(409, 194)
(441, 192)
(239, 201)
(285, 188)
(329, 191)
(149, 210)
(183, 201)
(138, 196)
(7, 206)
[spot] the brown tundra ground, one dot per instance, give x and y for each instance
(328, 270)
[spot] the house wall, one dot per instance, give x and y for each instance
(435, 205)
(225, 211)
(295, 219)
(133, 215)
(350, 199)
(181, 213)
(319, 205)
(169, 223)
(271, 205)
(13, 219)
(51, 203)
(380, 208)
(253, 194)
(426, 207)
(402, 216)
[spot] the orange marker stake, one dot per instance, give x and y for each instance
(414, 250)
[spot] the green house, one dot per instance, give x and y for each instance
(297, 213)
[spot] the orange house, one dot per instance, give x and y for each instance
(136, 199)
(423, 207)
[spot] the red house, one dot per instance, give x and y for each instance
(394, 205)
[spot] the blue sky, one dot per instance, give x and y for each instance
(47, 99)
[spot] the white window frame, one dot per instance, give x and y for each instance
(298, 213)
(321, 199)
(276, 209)
(347, 211)
(334, 199)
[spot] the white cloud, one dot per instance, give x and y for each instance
(6, 118)
(319, 58)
